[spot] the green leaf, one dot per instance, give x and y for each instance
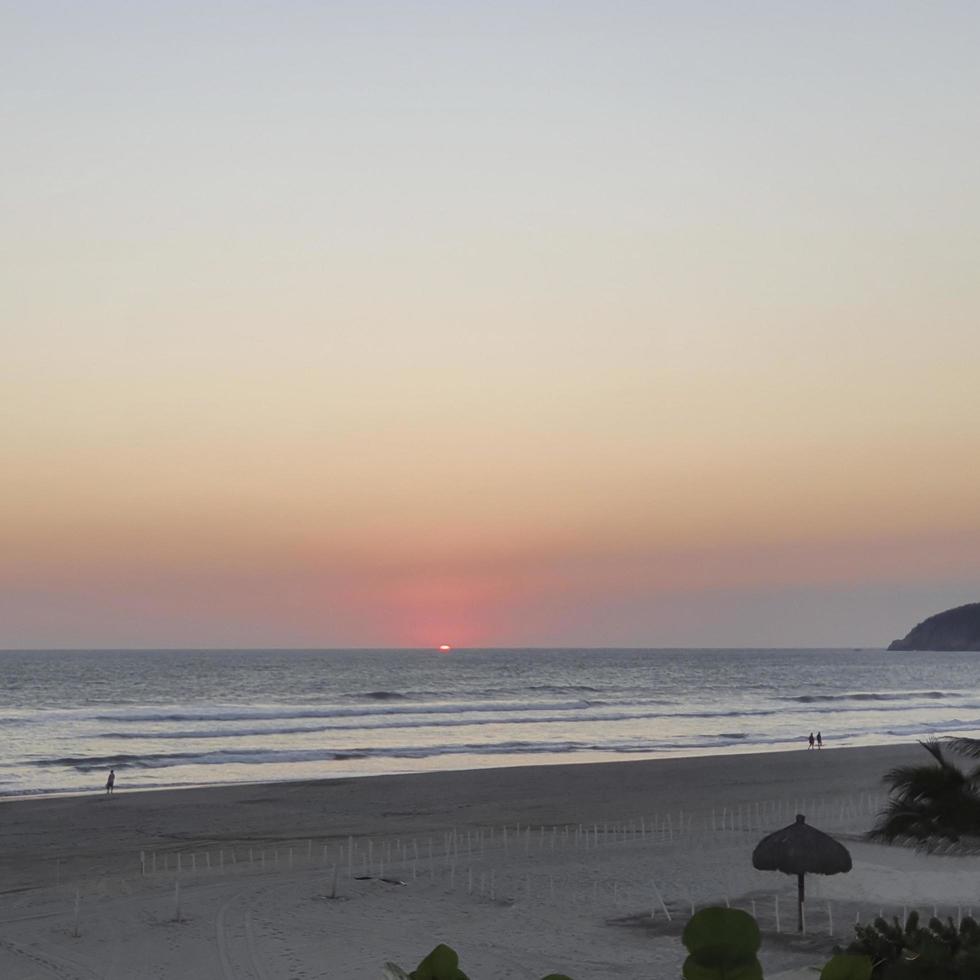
(847, 966)
(441, 964)
(722, 936)
(696, 970)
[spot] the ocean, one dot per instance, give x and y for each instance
(165, 718)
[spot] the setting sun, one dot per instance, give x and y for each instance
(445, 647)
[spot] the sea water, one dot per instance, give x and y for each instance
(192, 717)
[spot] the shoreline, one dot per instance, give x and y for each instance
(551, 760)
(735, 752)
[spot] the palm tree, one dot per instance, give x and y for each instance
(936, 807)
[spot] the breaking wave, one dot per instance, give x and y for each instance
(869, 696)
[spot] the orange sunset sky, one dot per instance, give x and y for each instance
(375, 324)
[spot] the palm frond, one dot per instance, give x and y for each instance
(934, 747)
(920, 783)
(932, 807)
(970, 747)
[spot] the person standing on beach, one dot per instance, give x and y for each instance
(811, 742)
(110, 783)
(819, 740)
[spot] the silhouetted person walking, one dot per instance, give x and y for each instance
(819, 740)
(110, 783)
(811, 742)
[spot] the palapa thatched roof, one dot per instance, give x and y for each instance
(801, 849)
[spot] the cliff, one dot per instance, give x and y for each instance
(954, 629)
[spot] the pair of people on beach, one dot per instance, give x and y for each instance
(818, 740)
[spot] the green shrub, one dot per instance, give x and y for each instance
(939, 951)
(441, 964)
(722, 944)
(847, 966)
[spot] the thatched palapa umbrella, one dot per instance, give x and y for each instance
(800, 849)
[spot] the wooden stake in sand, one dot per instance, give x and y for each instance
(660, 899)
(333, 887)
(776, 906)
(78, 902)
(830, 920)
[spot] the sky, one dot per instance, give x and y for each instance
(496, 324)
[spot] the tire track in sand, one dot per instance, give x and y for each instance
(63, 970)
(229, 969)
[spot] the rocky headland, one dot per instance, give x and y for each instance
(954, 629)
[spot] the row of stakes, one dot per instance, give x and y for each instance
(659, 829)
(488, 889)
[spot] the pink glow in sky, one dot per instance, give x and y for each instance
(488, 324)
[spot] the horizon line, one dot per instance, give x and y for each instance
(374, 649)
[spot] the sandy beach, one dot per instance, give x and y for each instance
(587, 869)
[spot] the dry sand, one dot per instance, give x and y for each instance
(524, 870)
